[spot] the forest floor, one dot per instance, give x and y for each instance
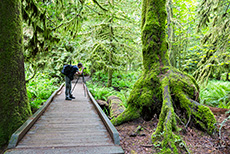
(2, 149)
(136, 138)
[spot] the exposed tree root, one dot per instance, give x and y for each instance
(179, 96)
(167, 123)
(129, 114)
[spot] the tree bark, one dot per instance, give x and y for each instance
(227, 77)
(172, 55)
(110, 69)
(162, 89)
(14, 106)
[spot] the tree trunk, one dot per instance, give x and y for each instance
(172, 55)
(227, 77)
(110, 77)
(14, 106)
(110, 69)
(162, 89)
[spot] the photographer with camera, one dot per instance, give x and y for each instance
(69, 71)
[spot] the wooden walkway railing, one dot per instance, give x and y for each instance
(76, 126)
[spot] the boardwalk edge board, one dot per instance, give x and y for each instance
(109, 126)
(21, 131)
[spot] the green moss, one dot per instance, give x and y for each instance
(153, 33)
(205, 118)
(167, 122)
(14, 104)
(163, 87)
(129, 114)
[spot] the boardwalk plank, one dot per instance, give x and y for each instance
(72, 150)
(68, 127)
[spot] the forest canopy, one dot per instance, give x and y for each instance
(175, 51)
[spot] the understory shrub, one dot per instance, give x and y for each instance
(39, 89)
(216, 94)
(122, 84)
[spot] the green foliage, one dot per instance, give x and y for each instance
(39, 33)
(45, 24)
(214, 25)
(100, 92)
(213, 63)
(214, 14)
(181, 32)
(39, 89)
(125, 80)
(50, 21)
(216, 94)
(121, 86)
(204, 59)
(190, 61)
(111, 36)
(105, 35)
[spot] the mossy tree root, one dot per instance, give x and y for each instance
(166, 133)
(129, 114)
(177, 94)
(188, 110)
(167, 123)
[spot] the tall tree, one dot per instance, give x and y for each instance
(14, 106)
(162, 89)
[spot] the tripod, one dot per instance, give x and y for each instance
(83, 79)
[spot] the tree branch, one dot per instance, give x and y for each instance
(32, 76)
(93, 10)
(95, 1)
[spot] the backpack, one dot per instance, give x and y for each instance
(66, 69)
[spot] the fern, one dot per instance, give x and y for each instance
(216, 94)
(39, 89)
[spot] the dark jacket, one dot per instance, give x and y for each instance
(73, 70)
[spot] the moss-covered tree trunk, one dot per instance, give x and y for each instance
(162, 89)
(14, 106)
(110, 69)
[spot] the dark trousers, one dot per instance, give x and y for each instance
(68, 87)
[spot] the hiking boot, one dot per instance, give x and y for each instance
(72, 97)
(67, 98)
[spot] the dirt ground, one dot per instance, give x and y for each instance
(136, 138)
(2, 149)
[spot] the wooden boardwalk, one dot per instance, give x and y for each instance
(68, 127)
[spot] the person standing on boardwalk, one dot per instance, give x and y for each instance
(71, 70)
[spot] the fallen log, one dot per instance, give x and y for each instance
(115, 106)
